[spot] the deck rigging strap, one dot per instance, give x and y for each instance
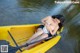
(14, 41)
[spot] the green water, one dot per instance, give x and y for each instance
(18, 12)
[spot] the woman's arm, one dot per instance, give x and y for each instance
(44, 20)
(54, 31)
(51, 29)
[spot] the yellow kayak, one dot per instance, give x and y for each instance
(22, 33)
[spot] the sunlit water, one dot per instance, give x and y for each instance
(16, 12)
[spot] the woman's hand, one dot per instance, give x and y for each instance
(43, 21)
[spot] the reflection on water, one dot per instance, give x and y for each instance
(58, 8)
(14, 12)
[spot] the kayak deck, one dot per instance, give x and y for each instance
(22, 33)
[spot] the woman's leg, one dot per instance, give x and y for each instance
(38, 33)
(37, 39)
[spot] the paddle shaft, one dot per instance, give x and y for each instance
(14, 40)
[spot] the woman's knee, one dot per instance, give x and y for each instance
(39, 29)
(44, 35)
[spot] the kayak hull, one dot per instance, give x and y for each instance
(22, 33)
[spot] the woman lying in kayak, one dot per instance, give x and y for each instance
(50, 25)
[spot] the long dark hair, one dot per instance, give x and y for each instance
(61, 18)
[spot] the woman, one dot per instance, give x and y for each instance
(50, 25)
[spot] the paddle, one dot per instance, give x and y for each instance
(14, 41)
